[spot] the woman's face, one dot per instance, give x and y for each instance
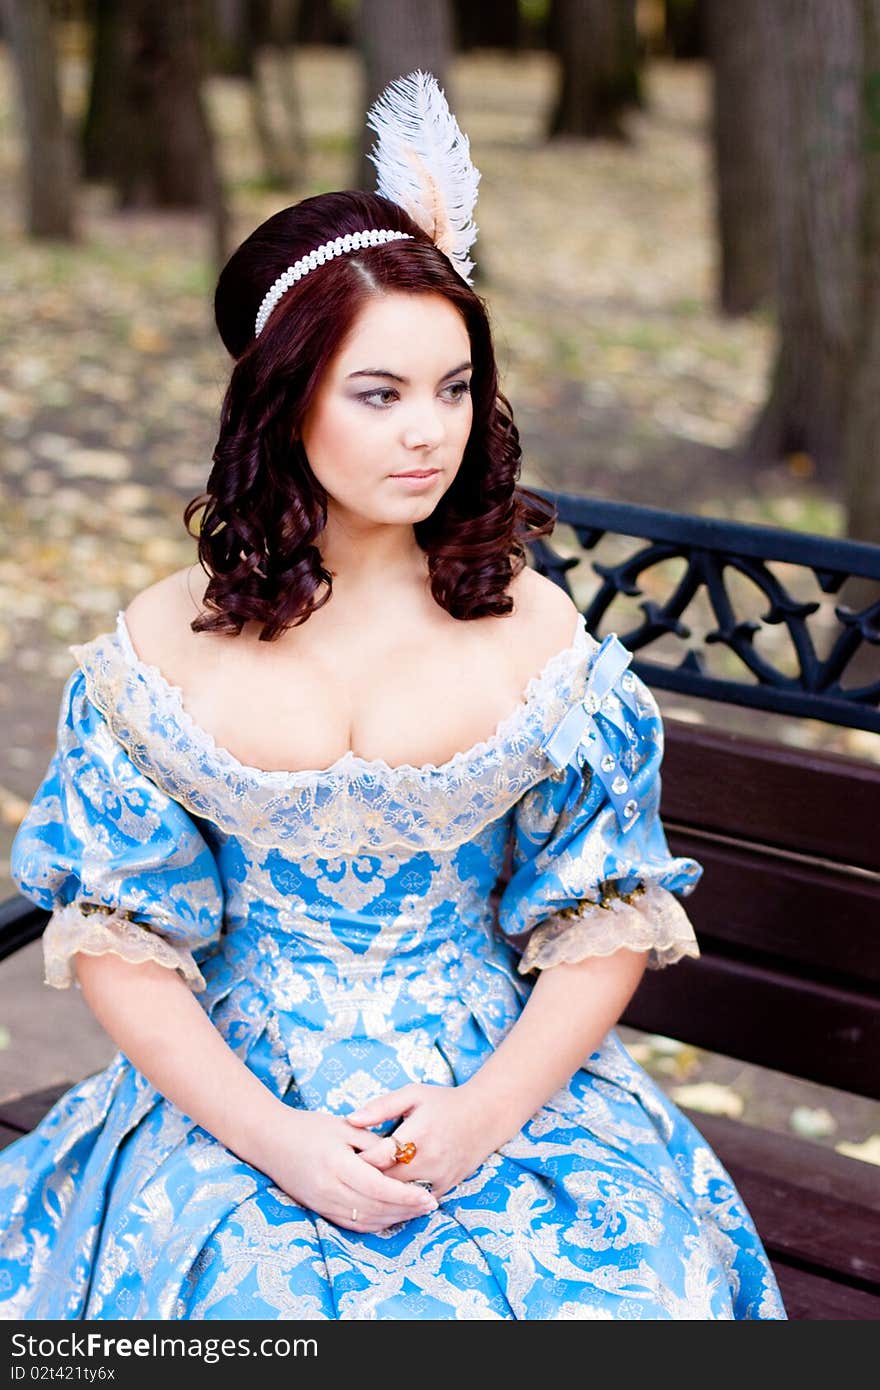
(395, 398)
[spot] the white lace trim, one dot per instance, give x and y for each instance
(171, 698)
(356, 804)
(96, 930)
(649, 919)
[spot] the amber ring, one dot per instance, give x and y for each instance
(404, 1153)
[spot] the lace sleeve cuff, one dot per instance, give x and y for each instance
(97, 930)
(649, 919)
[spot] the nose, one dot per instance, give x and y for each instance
(425, 428)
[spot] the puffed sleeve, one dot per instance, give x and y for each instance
(591, 869)
(121, 866)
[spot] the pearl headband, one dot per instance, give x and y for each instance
(356, 241)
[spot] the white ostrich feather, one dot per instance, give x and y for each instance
(424, 164)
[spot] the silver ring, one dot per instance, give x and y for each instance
(354, 1213)
(422, 1182)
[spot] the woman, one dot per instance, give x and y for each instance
(354, 1079)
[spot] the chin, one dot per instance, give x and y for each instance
(416, 509)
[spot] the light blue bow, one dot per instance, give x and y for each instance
(577, 739)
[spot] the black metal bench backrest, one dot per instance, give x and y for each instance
(712, 555)
(788, 909)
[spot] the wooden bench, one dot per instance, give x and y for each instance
(788, 919)
(788, 910)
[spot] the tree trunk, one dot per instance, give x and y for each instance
(252, 40)
(49, 173)
(165, 159)
(814, 50)
(396, 37)
(163, 153)
(596, 44)
(272, 90)
(294, 132)
(686, 26)
(100, 131)
(321, 22)
(861, 437)
(492, 24)
(228, 48)
(283, 140)
(742, 132)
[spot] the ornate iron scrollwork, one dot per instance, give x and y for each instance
(711, 550)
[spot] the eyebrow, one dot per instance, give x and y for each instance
(391, 376)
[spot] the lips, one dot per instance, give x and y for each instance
(417, 473)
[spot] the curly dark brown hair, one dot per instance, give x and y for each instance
(264, 509)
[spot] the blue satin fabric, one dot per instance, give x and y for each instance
(337, 977)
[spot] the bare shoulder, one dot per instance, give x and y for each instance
(544, 618)
(540, 602)
(158, 618)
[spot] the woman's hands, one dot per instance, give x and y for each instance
(314, 1158)
(336, 1166)
(449, 1126)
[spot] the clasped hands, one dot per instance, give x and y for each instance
(445, 1124)
(337, 1167)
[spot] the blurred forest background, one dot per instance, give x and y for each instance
(679, 245)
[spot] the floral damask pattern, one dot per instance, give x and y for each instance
(343, 932)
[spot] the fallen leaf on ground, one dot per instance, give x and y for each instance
(709, 1097)
(869, 1152)
(812, 1123)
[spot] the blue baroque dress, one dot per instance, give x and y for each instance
(349, 931)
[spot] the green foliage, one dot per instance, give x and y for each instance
(535, 12)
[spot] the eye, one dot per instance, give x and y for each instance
(367, 396)
(464, 391)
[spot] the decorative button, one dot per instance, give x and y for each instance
(608, 763)
(628, 680)
(619, 785)
(591, 702)
(630, 808)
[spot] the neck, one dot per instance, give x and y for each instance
(363, 555)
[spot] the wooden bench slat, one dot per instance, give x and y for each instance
(823, 1232)
(810, 1204)
(826, 918)
(814, 1167)
(808, 1297)
(8, 1134)
(24, 1112)
(821, 804)
(819, 1032)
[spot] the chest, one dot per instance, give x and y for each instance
(400, 704)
